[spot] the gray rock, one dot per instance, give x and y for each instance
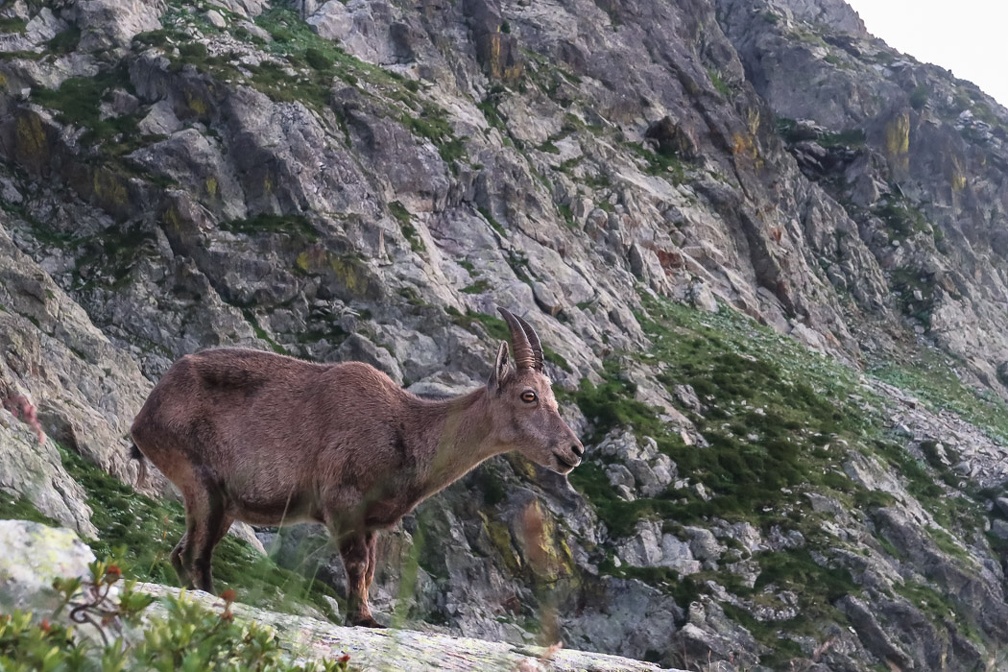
(359, 348)
(409, 650)
(44, 26)
(419, 354)
(245, 8)
(823, 504)
(999, 528)
(34, 555)
(687, 396)
(216, 19)
(650, 547)
(871, 632)
(710, 635)
(1001, 504)
(35, 473)
(546, 299)
(111, 23)
(836, 14)
(702, 297)
(629, 603)
(121, 103)
(744, 534)
(375, 32)
(619, 475)
(652, 472)
(47, 339)
(704, 545)
(192, 160)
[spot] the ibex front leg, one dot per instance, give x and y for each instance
(356, 552)
(371, 538)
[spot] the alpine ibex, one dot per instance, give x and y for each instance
(268, 439)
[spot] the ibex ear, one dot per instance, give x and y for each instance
(500, 370)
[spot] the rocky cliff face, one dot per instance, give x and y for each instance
(916, 158)
(367, 180)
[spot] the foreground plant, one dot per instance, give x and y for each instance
(189, 637)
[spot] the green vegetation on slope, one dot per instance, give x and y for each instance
(932, 377)
(771, 411)
(779, 422)
(792, 132)
(773, 414)
(77, 101)
(303, 67)
(318, 62)
(296, 226)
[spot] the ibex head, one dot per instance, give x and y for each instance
(526, 418)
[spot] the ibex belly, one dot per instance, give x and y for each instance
(383, 515)
(259, 508)
(378, 514)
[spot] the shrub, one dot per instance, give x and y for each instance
(189, 637)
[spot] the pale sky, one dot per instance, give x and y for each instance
(966, 36)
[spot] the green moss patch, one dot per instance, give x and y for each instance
(412, 236)
(13, 24)
(20, 508)
(78, 100)
(660, 163)
(297, 226)
(791, 132)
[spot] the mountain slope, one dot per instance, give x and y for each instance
(763, 249)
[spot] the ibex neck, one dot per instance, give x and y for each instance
(454, 438)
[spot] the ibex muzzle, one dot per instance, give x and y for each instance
(270, 440)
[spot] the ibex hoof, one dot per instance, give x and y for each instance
(365, 622)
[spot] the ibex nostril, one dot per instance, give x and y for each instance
(578, 449)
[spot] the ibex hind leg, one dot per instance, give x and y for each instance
(217, 526)
(180, 560)
(356, 552)
(182, 554)
(207, 520)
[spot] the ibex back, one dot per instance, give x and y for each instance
(270, 440)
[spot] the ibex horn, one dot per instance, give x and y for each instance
(534, 342)
(524, 340)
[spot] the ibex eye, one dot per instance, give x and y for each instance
(528, 396)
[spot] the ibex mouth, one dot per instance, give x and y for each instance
(565, 464)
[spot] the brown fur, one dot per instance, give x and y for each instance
(267, 439)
